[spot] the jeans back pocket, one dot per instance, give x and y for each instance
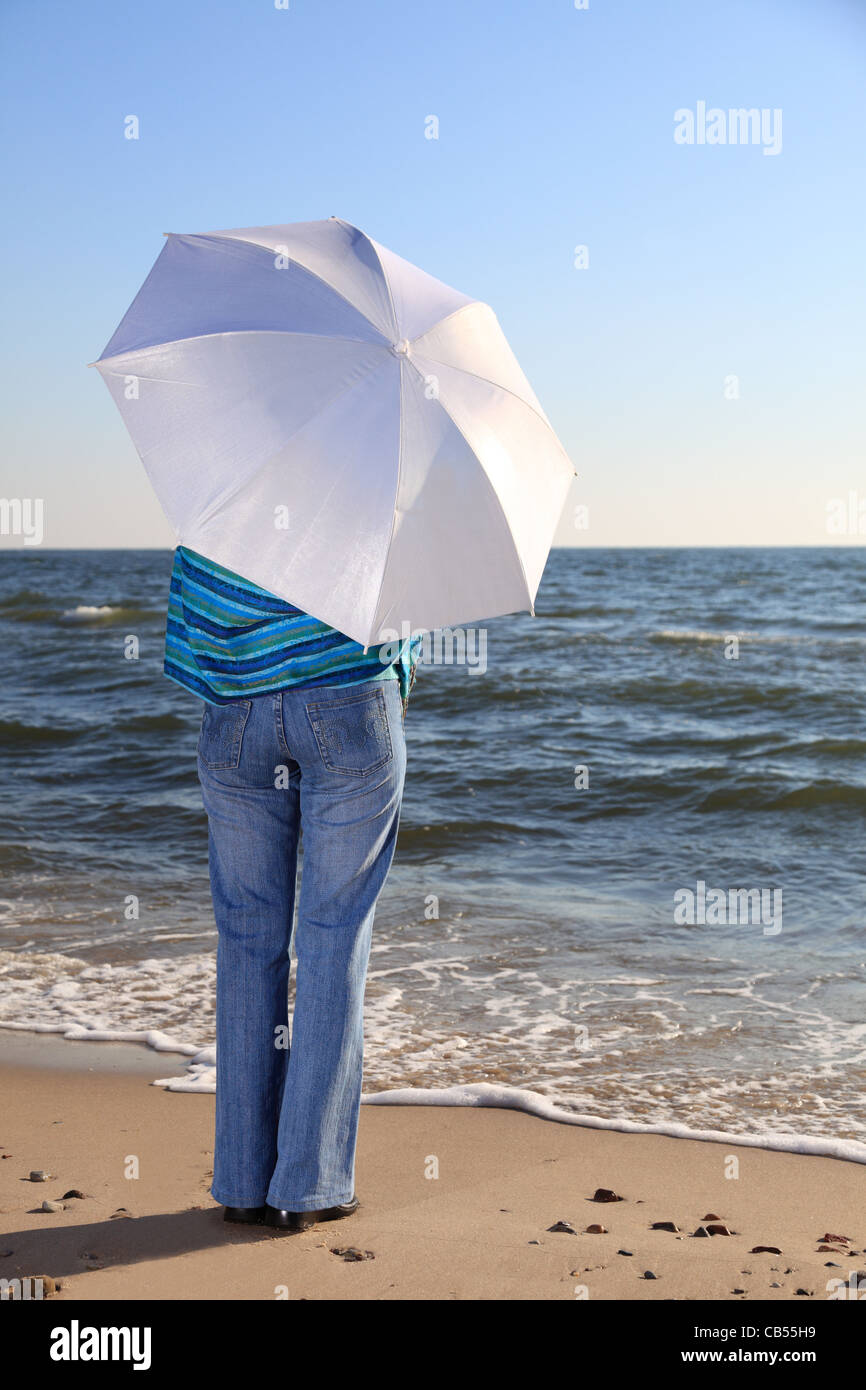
(352, 732)
(222, 732)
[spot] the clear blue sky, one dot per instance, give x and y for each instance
(556, 129)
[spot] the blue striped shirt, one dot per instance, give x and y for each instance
(227, 639)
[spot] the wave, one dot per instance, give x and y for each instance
(32, 607)
(484, 1093)
(105, 613)
(694, 634)
(200, 1078)
(816, 636)
(15, 732)
(796, 799)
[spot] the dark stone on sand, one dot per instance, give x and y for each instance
(832, 1250)
(717, 1229)
(805, 1293)
(351, 1253)
(564, 1227)
(738, 1290)
(831, 1264)
(606, 1194)
(827, 1239)
(664, 1226)
(701, 1231)
(711, 1216)
(765, 1250)
(648, 1274)
(49, 1285)
(120, 1213)
(596, 1230)
(625, 1252)
(74, 1192)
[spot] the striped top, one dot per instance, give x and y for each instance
(227, 639)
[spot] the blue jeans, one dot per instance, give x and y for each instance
(327, 762)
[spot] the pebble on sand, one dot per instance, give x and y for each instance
(606, 1194)
(53, 1206)
(39, 1175)
(765, 1250)
(351, 1253)
(596, 1230)
(565, 1227)
(664, 1226)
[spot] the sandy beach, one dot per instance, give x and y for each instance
(88, 1114)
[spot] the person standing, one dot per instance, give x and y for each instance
(301, 746)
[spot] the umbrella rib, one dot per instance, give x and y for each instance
(386, 282)
(237, 333)
(497, 384)
(489, 484)
(445, 317)
(375, 607)
(257, 244)
(499, 505)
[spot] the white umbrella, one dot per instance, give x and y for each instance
(324, 418)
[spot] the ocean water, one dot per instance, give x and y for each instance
(567, 796)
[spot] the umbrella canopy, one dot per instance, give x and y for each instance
(333, 423)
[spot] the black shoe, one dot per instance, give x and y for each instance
(248, 1216)
(303, 1220)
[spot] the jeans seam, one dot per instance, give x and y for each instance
(279, 727)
